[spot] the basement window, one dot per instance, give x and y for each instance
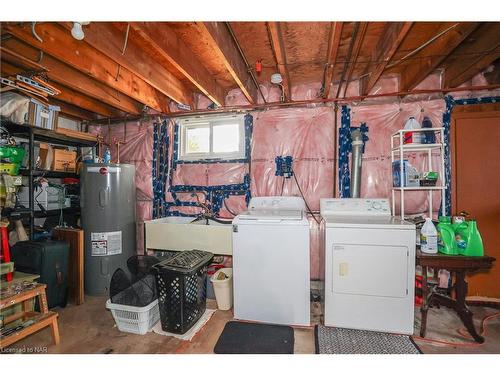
(212, 138)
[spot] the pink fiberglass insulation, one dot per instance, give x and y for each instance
(306, 134)
(384, 120)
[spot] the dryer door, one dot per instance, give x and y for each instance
(370, 270)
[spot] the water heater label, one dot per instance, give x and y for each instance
(106, 243)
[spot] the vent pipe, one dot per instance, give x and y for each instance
(357, 153)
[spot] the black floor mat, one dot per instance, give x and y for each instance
(255, 338)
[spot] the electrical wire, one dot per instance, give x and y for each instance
(305, 201)
(463, 334)
(283, 185)
(227, 208)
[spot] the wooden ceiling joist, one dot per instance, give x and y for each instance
(353, 58)
(59, 43)
(9, 55)
(474, 57)
(74, 112)
(333, 51)
(166, 42)
(388, 44)
(115, 44)
(63, 74)
(70, 96)
(429, 58)
(475, 68)
(225, 49)
(278, 46)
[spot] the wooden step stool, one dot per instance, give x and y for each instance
(23, 294)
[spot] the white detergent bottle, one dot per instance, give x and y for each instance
(429, 237)
(411, 136)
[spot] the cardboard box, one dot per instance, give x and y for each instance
(64, 161)
(45, 156)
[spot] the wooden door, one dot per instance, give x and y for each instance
(475, 146)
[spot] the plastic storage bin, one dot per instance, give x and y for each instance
(223, 289)
(181, 286)
(139, 320)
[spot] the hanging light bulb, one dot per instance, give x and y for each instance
(77, 31)
(276, 79)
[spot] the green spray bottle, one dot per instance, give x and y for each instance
(468, 239)
(446, 236)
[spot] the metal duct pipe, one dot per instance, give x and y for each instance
(357, 152)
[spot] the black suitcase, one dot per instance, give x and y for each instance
(49, 260)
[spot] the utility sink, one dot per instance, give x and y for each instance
(177, 233)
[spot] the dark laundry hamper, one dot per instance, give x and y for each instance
(181, 286)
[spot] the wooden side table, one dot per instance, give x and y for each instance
(459, 266)
(39, 320)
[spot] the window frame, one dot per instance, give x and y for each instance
(211, 122)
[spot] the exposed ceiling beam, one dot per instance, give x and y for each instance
(358, 42)
(477, 67)
(471, 58)
(68, 95)
(278, 46)
(14, 56)
(114, 41)
(74, 112)
(225, 49)
(167, 43)
(429, 58)
(388, 44)
(63, 74)
(333, 51)
(59, 43)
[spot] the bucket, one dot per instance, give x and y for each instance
(223, 289)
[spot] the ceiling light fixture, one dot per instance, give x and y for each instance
(277, 79)
(77, 30)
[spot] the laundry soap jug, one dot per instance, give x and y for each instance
(428, 237)
(411, 136)
(468, 239)
(446, 236)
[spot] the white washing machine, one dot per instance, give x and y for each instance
(271, 272)
(369, 266)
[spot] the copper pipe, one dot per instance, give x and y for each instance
(250, 71)
(245, 108)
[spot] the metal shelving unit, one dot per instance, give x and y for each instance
(398, 150)
(33, 134)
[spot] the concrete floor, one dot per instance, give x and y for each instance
(89, 328)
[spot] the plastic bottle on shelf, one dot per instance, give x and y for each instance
(107, 156)
(412, 137)
(429, 237)
(428, 137)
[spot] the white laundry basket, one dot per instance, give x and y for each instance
(139, 320)
(223, 289)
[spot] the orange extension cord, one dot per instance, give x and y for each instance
(462, 333)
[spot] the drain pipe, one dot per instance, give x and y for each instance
(357, 152)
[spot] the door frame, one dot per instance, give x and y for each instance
(454, 117)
